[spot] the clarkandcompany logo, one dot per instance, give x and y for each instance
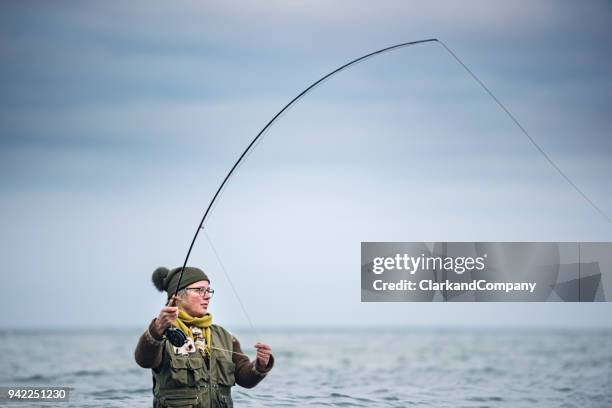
(425, 263)
(412, 264)
(485, 271)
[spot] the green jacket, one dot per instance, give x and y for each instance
(194, 380)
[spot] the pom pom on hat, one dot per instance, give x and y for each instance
(159, 278)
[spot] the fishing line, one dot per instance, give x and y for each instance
(231, 351)
(251, 145)
(231, 283)
(531, 139)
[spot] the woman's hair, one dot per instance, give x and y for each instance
(181, 293)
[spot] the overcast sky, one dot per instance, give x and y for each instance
(118, 120)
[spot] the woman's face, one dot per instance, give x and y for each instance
(192, 302)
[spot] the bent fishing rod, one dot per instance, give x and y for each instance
(175, 335)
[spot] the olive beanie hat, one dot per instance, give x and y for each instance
(165, 279)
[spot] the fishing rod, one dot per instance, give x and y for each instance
(175, 335)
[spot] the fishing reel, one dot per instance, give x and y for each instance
(175, 336)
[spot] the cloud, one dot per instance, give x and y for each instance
(118, 121)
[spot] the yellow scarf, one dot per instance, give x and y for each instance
(184, 320)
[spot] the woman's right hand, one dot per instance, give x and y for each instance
(167, 315)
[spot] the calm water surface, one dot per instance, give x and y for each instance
(348, 368)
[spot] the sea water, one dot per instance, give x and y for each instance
(357, 367)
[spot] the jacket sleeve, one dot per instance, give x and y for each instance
(149, 351)
(248, 373)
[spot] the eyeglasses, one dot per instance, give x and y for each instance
(202, 291)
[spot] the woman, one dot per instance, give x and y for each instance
(201, 372)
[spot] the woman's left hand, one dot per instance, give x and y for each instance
(263, 354)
